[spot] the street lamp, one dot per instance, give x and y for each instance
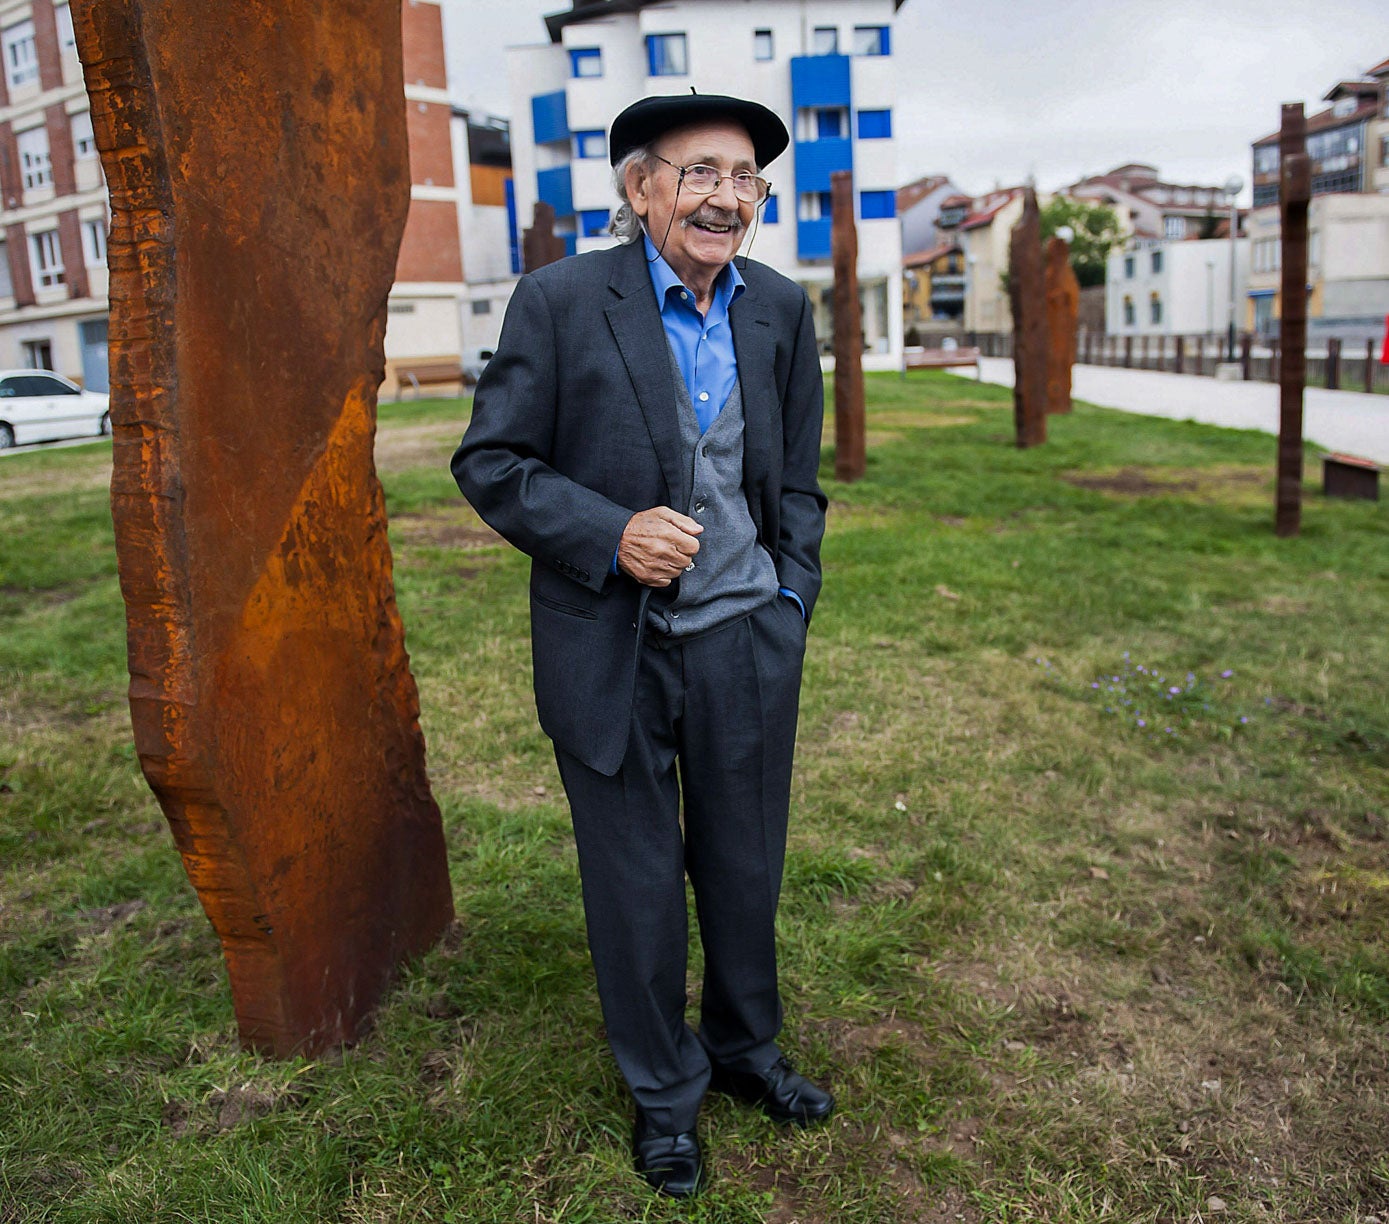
(970, 261)
(1233, 186)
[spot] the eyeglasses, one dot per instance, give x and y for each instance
(705, 180)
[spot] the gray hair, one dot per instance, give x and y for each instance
(626, 225)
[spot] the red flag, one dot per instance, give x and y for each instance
(1384, 348)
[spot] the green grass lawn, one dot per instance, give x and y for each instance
(1086, 913)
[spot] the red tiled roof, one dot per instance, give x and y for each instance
(1361, 89)
(922, 258)
(955, 201)
(919, 190)
(985, 215)
(1382, 66)
(1328, 118)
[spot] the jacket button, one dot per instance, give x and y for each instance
(583, 575)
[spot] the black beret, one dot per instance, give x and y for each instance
(649, 118)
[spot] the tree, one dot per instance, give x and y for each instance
(1097, 232)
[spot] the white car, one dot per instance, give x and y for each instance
(40, 406)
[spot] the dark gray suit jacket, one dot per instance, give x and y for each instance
(574, 430)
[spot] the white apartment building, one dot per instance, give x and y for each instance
(824, 66)
(53, 214)
(1171, 287)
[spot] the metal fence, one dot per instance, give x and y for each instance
(1336, 367)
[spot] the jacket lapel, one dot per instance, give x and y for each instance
(754, 343)
(641, 339)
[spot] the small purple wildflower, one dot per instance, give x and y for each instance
(1142, 722)
(1227, 673)
(1174, 690)
(1243, 719)
(1095, 684)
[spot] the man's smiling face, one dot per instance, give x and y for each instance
(701, 234)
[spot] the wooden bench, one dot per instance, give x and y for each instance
(428, 374)
(914, 358)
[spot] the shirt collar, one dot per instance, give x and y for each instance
(728, 285)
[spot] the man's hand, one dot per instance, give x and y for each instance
(657, 545)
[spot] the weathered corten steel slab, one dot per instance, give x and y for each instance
(850, 442)
(256, 155)
(1027, 293)
(1294, 196)
(1063, 322)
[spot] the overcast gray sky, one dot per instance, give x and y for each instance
(991, 91)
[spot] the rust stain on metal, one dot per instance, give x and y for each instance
(1063, 323)
(1294, 195)
(1027, 293)
(850, 453)
(256, 157)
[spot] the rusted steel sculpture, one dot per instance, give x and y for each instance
(1294, 195)
(540, 245)
(256, 155)
(1027, 294)
(850, 454)
(1063, 323)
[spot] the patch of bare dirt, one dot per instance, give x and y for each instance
(1204, 483)
(443, 527)
(399, 447)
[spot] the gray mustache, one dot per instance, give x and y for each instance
(707, 214)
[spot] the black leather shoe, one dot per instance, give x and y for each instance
(780, 1091)
(672, 1164)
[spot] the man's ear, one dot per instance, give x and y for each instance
(637, 183)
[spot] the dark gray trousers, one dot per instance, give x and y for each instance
(714, 721)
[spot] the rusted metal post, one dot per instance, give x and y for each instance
(1246, 356)
(540, 245)
(1369, 367)
(850, 457)
(1294, 194)
(1179, 357)
(1128, 352)
(1333, 364)
(1027, 295)
(259, 192)
(1063, 317)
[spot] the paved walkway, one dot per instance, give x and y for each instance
(1348, 421)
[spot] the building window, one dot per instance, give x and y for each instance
(877, 205)
(593, 222)
(38, 355)
(875, 125)
(666, 55)
(1174, 227)
(771, 211)
(1314, 248)
(870, 40)
(21, 57)
(1128, 311)
(67, 40)
(1384, 150)
(482, 306)
(1157, 261)
(1154, 308)
(83, 142)
(585, 62)
(1268, 255)
(815, 206)
(94, 241)
(831, 123)
(825, 41)
(47, 255)
(35, 167)
(1128, 267)
(762, 45)
(591, 144)
(6, 285)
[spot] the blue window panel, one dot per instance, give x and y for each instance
(550, 117)
(829, 123)
(556, 188)
(813, 239)
(816, 160)
(872, 40)
(571, 243)
(877, 205)
(585, 62)
(820, 80)
(593, 144)
(875, 125)
(826, 203)
(513, 237)
(593, 222)
(771, 211)
(667, 55)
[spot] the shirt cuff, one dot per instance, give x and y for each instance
(790, 594)
(614, 569)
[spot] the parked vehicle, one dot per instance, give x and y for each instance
(40, 406)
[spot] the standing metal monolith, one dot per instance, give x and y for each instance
(1294, 195)
(1063, 323)
(540, 245)
(256, 156)
(850, 453)
(1027, 294)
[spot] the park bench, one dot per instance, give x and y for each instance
(428, 374)
(914, 358)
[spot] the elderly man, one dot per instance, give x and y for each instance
(649, 433)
